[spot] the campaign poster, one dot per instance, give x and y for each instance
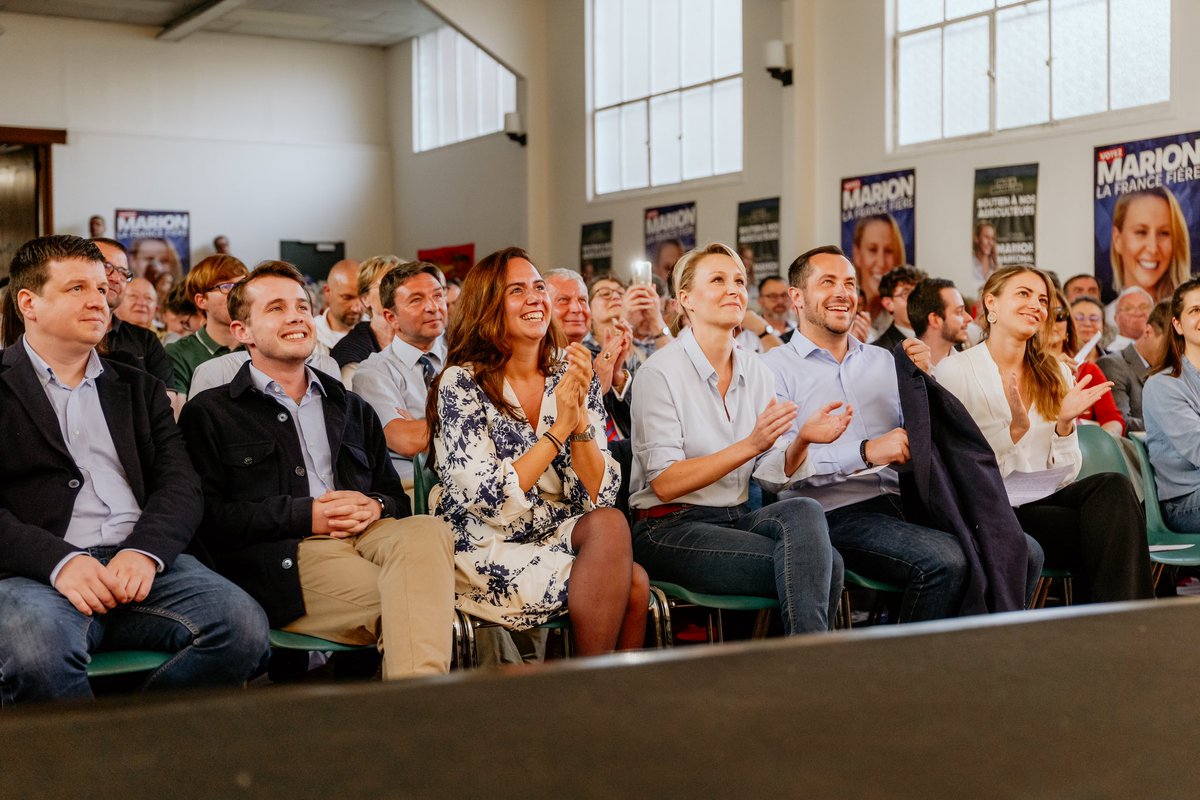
(1147, 214)
(879, 226)
(1004, 218)
(595, 249)
(758, 237)
(670, 232)
(455, 261)
(159, 244)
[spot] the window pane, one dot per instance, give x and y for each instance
(727, 44)
(490, 118)
(664, 139)
(664, 55)
(635, 169)
(508, 94)
(606, 52)
(967, 87)
(1078, 34)
(635, 49)
(608, 150)
(961, 8)
(727, 126)
(917, 13)
(920, 87)
(1141, 52)
(448, 88)
(1022, 76)
(698, 34)
(426, 92)
(468, 90)
(697, 132)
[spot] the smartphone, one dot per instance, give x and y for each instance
(641, 272)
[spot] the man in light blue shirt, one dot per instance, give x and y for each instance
(854, 477)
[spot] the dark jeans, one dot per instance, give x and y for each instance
(216, 631)
(1095, 528)
(781, 550)
(878, 543)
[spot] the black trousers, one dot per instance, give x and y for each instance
(1095, 528)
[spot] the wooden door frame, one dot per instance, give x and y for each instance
(41, 139)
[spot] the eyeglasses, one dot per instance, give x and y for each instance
(773, 296)
(124, 272)
(225, 287)
(608, 294)
(1095, 319)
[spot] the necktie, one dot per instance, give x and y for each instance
(427, 369)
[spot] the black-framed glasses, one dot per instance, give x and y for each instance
(124, 272)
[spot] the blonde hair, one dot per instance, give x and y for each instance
(897, 240)
(1043, 375)
(1181, 246)
(373, 269)
(685, 268)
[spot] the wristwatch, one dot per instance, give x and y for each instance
(666, 331)
(768, 331)
(586, 436)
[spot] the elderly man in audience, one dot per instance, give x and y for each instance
(96, 513)
(894, 288)
(302, 504)
(1129, 368)
(139, 305)
(939, 317)
(1133, 307)
(208, 284)
(343, 309)
(854, 478)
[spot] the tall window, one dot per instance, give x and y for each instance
(459, 91)
(966, 67)
(666, 91)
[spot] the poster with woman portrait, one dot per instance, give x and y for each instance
(879, 226)
(1147, 213)
(158, 243)
(1004, 218)
(670, 232)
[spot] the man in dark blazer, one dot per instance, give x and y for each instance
(1129, 369)
(302, 504)
(894, 288)
(98, 502)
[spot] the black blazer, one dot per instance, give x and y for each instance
(954, 485)
(890, 337)
(39, 480)
(257, 502)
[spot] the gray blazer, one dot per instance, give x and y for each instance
(1128, 374)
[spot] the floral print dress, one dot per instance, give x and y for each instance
(512, 549)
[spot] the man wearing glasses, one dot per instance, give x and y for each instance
(776, 305)
(208, 284)
(132, 344)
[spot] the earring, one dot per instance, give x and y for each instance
(991, 317)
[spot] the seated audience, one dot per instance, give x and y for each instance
(822, 362)
(894, 288)
(1026, 402)
(373, 333)
(96, 513)
(526, 480)
(208, 285)
(1082, 285)
(1087, 314)
(139, 306)
(1129, 369)
(180, 317)
(1062, 343)
(343, 309)
(1132, 310)
(1171, 405)
(776, 306)
(395, 381)
(939, 317)
(644, 312)
(705, 420)
(222, 369)
(305, 515)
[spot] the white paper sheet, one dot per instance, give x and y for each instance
(1162, 548)
(1026, 487)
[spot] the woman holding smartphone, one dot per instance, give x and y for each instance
(1026, 401)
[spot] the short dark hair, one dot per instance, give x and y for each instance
(179, 302)
(112, 243)
(239, 304)
(926, 299)
(1160, 316)
(763, 282)
(1074, 278)
(396, 277)
(30, 270)
(800, 269)
(897, 276)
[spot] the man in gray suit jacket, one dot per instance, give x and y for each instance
(1129, 368)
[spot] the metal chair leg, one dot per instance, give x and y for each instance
(762, 622)
(1156, 572)
(843, 619)
(660, 613)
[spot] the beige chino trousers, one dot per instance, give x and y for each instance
(391, 585)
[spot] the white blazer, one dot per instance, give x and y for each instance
(974, 379)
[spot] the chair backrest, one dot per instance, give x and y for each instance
(1156, 525)
(424, 479)
(1101, 452)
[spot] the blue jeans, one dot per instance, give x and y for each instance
(217, 632)
(1183, 513)
(878, 543)
(781, 550)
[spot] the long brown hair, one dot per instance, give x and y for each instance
(1172, 357)
(478, 337)
(1043, 373)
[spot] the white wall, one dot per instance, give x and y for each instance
(260, 139)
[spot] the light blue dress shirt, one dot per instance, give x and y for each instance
(811, 377)
(309, 418)
(1171, 411)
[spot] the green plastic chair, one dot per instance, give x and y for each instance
(1101, 452)
(124, 662)
(1157, 532)
(671, 596)
(854, 579)
(285, 640)
(1049, 574)
(424, 479)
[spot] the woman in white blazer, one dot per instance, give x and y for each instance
(1026, 402)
